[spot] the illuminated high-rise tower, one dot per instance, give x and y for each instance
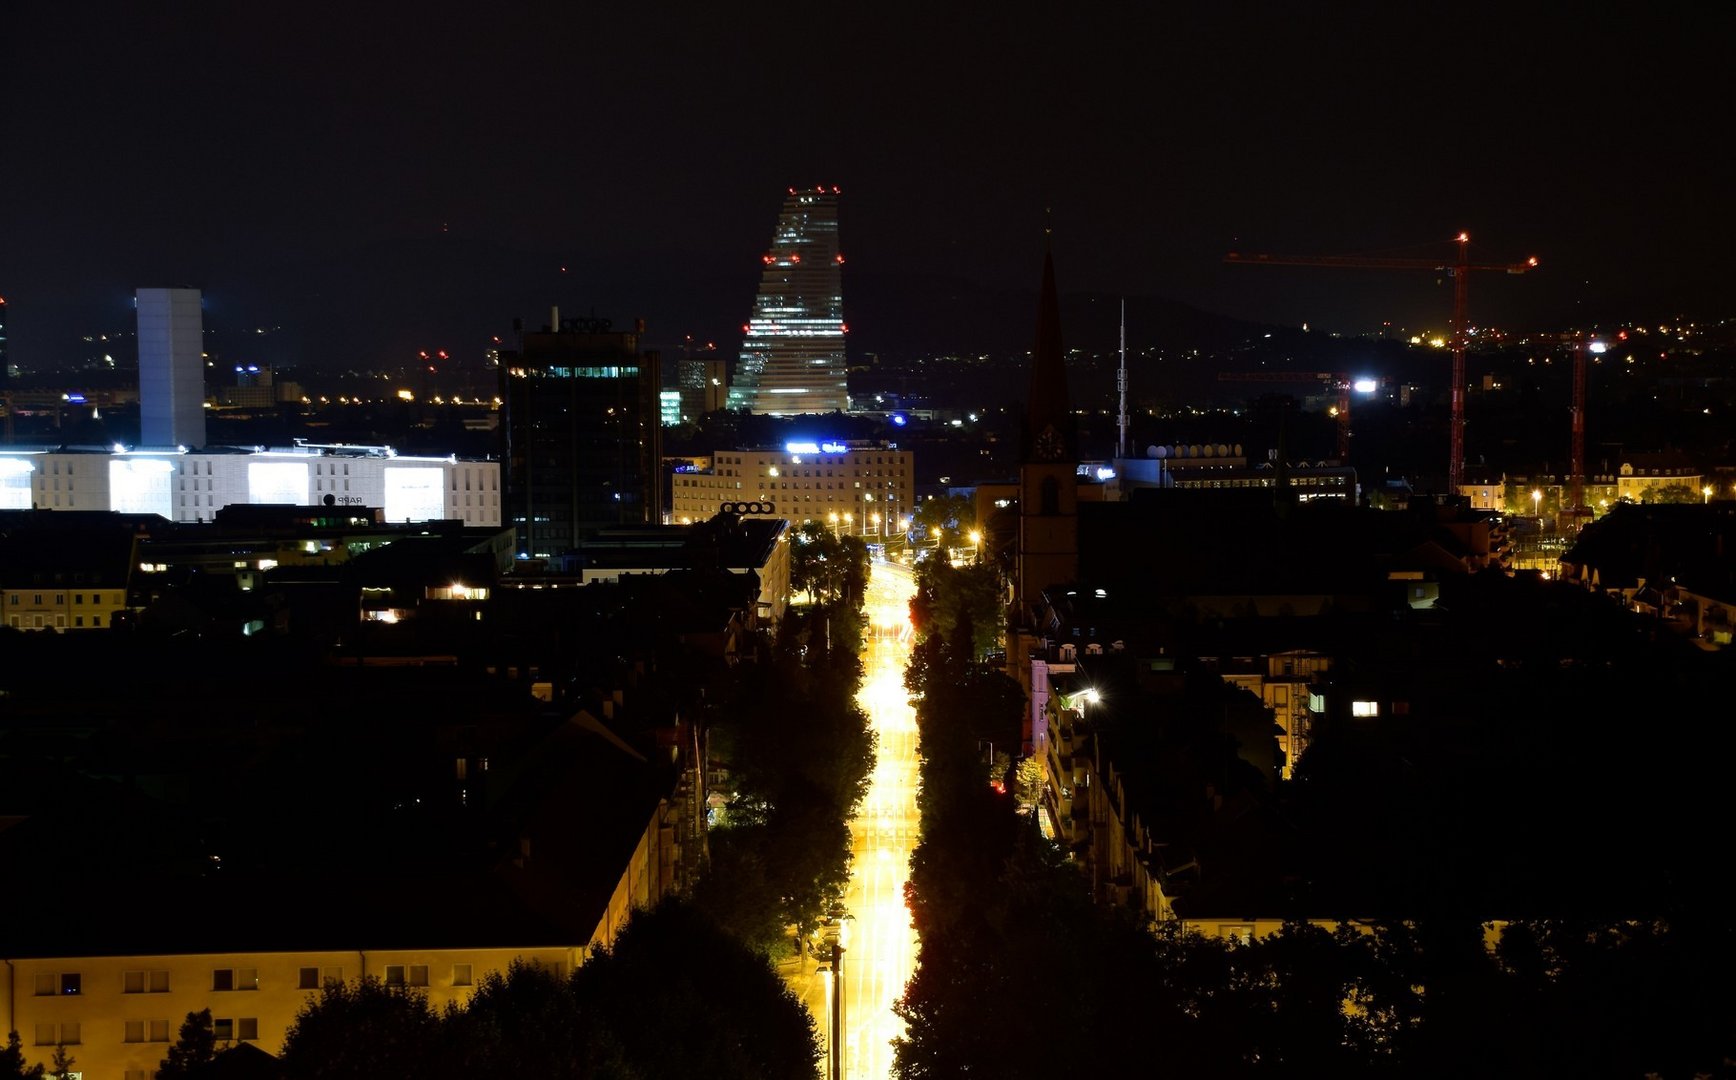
(171, 367)
(792, 354)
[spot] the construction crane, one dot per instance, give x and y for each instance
(1343, 384)
(1460, 270)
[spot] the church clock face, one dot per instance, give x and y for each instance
(1049, 444)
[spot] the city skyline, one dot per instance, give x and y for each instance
(349, 203)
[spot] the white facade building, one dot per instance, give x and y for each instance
(194, 485)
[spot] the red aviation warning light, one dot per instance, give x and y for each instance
(795, 258)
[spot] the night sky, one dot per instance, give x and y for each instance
(374, 181)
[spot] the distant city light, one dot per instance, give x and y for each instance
(899, 419)
(1597, 347)
(1366, 386)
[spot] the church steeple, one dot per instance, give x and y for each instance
(1049, 455)
(1048, 429)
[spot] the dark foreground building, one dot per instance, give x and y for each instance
(581, 431)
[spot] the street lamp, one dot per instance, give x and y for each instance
(833, 518)
(1537, 501)
(976, 543)
(834, 983)
(1707, 492)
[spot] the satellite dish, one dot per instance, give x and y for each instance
(1159, 452)
(1193, 450)
(330, 500)
(1210, 450)
(1238, 449)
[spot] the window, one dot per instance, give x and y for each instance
(461, 975)
(46, 1034)
(135, 1031)
(223, 979)
(308, 979)
(394, 974)
(1240, 932)
(159, 1030)
(1365, 708)
(418, 974)
(68, 981)
(145, 982)
(247, 1028)
(224, 1030)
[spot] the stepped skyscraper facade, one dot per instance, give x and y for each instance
(792, 352)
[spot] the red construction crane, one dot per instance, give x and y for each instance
(1460, 270)
(1341, 383)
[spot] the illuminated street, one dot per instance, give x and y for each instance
(880, 944)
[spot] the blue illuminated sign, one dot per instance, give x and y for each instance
(816, 448)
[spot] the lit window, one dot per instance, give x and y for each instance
(1365, 708)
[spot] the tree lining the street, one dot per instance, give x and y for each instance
(1010, 937)
(799, 750)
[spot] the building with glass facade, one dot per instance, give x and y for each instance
(583, 439)
(792, 352)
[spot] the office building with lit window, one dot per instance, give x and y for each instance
(792, 352)
(864, 488)
(704, 385)
(583, 441)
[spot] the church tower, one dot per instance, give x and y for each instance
(1048, 463)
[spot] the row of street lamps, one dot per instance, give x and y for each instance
(842, 523)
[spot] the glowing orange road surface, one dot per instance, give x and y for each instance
(881, 945)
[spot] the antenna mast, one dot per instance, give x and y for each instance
(1121, 385)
